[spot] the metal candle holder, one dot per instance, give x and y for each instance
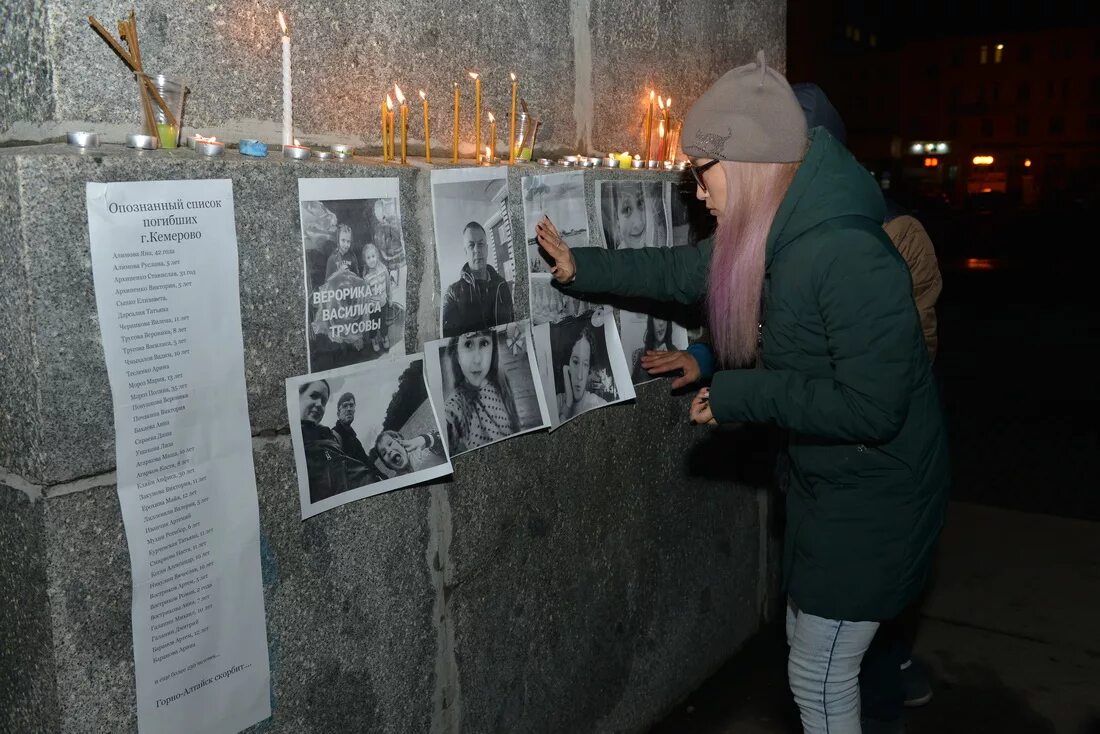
(142, 142)
(296, 152)
(210, 148)
(83, 139)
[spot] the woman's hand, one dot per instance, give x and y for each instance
(700, 408)
(567, 406)
(564, 269)
(661, 363)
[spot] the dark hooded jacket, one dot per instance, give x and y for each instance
(844, 368)
(472, 304)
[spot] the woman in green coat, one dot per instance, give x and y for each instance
(800, 281)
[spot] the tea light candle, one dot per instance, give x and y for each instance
(321, 154)
(296, 152)
(253, 148)
(610, 162)
(343, 149)
(210, 147)
(142, 142)
(83, 139)
(653, 165)
(545, 162)
(637, 162)
(624, 159)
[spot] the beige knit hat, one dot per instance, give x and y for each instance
(750, 114)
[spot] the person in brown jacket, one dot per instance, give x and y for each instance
(915, 246)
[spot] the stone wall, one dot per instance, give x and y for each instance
(584, 65)
(516, 596)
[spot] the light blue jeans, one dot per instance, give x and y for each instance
(823, 670)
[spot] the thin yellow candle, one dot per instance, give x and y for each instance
(512, 125)
(477, 113)
(382, 128)
(389, 127)
(492, 146)
(427, 130)
(404, 124)
(454, 142)
(661, 140)
(649, 125)
(669, 153)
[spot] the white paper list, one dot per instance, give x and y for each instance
(164, 261)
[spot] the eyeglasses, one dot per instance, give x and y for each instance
(697, 172)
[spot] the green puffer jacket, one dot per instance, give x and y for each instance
(845, 369)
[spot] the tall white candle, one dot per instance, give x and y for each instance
(288, 107)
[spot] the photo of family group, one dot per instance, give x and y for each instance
(486, 386)
(581, 365)
(355, 270)
(474, 249)
(559, 196)
(362, 430)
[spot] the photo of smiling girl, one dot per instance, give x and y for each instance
(633, 214)
(487, 384)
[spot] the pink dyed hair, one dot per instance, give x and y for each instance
(754, 192)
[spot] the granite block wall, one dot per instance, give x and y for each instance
(584, 65)
(583, 580)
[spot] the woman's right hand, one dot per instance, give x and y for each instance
(564, 268)
(661, 363)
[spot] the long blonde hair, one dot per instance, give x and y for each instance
(754, 192)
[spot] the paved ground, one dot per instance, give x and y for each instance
(1010, 630)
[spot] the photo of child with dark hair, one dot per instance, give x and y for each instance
(487, 384)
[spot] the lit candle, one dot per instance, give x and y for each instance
(512, 125)
(669, 152)
(296, 151)
(661, 140)
(454, 141)
(427, 130)
(637, 162)
(404, 124)
(487, 158)
(649, 125)
(288, 114)
(209, 147)
(389, 127)
(624, 159)
(492, 146)
(477, 113)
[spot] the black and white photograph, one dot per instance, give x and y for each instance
(581, 365)
(363, 430)
(474, 249)
(551, 304)
(486, 386)
(633, 214)
(355, 270)
(641, 333)
(559, 196)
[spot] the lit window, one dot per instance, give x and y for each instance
(855, 34)
(998, 53)
(983, 56)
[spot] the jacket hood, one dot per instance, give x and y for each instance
(829, 184)
(819, 110)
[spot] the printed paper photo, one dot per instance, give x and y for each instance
(559, 196)
(486, 386)
(363, 430)
(355, 270)
(633, 214)
(474, 249)
(645, 332)
(550, 304)
(581, 364)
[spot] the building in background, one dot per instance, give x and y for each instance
(959, 103)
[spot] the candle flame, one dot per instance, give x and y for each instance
(651, 93)
(668, 103)
(212, 139)
(637, 157)
(491, 118)
(400, 97)
(282, 22)
(473, 75)
(296, 141)
(660, 103)
(513, 76)
(423, 96)
(488, 153)
(626, 153)
(389, 102)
